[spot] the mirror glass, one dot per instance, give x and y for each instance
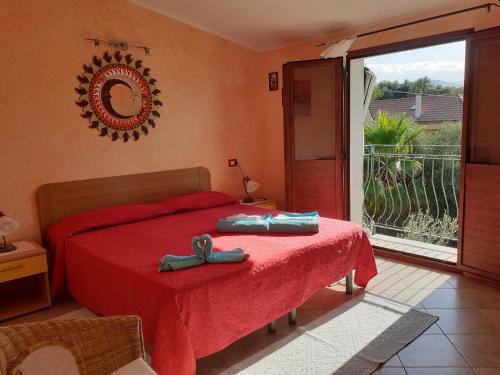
(122, 98)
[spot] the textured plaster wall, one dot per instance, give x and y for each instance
(209, 90)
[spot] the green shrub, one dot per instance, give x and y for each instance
(423, 227)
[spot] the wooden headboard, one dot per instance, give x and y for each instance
(59, 200)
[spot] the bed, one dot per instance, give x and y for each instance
(107, 236)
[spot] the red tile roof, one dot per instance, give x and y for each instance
(435, 108)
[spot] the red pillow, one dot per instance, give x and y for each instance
(196, 201)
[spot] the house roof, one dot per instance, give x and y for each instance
(435, 108)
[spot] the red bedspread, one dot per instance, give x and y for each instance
(195, 312)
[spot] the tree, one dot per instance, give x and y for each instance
(408, 89)
(388, 169)
(398, 131)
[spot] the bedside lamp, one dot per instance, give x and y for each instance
(249, 185)
(7, 225)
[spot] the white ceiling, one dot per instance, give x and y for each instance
(267, 24)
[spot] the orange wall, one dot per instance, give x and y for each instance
(209, 90)
(273, 61)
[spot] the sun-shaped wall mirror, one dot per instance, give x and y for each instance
(118, 96)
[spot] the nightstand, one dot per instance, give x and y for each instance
(24, 280)
(262, 203)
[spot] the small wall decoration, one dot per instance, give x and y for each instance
(118, 96)
(273, 81)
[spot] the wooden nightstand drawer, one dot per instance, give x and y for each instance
(16, 269)
(262, 203)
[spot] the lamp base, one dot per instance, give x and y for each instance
(5, 248)
(248, 200)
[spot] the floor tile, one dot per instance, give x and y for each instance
(439, 371)
(492, 315)
(463, 321)
(315, 302)
(393, 362)
(335, 298)
(482, 298)
(431, 351)
(478, 350)
(390, 371)
(470, 282)
(487, 371)
(433, 330)
(208, 371)
(448, 299)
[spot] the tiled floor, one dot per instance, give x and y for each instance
(445, 253)
(465, 340)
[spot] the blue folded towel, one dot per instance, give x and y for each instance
(179, 262)
(203, 248)
(295, 223)
(244, 224)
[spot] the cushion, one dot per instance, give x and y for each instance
(137, 367)
(49, 360)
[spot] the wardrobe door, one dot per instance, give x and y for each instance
(313, 128)
(481, 185)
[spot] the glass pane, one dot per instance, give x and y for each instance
(314, 113)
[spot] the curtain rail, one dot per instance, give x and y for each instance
(486, 6)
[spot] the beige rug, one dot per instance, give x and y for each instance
(354, 339)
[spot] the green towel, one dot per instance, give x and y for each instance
(179, 262)
(203, 248)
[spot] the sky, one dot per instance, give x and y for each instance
(444, 62)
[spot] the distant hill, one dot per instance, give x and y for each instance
(438, 82)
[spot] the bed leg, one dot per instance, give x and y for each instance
(349, 287)
(271, 327)
(292, 317)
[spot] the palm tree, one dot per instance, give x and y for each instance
(390, 168)
(397, 133)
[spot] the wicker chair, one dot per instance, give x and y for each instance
(99, 345)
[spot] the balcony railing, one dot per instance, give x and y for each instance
(412, 192)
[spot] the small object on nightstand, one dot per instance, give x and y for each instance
(24, 280)
(262, 203)
(7, 225)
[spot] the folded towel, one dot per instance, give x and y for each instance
(246, 217)
(203, 248)
(295, 223)
(179, 262)
(305, 215)
(204, 244)
(244, 224)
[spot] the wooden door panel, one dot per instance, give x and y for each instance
(315, 187)
(313, 118)
(481, 233)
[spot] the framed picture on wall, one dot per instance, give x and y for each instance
(273, 81)
(302, 97)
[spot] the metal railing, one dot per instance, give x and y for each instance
(412, 191)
